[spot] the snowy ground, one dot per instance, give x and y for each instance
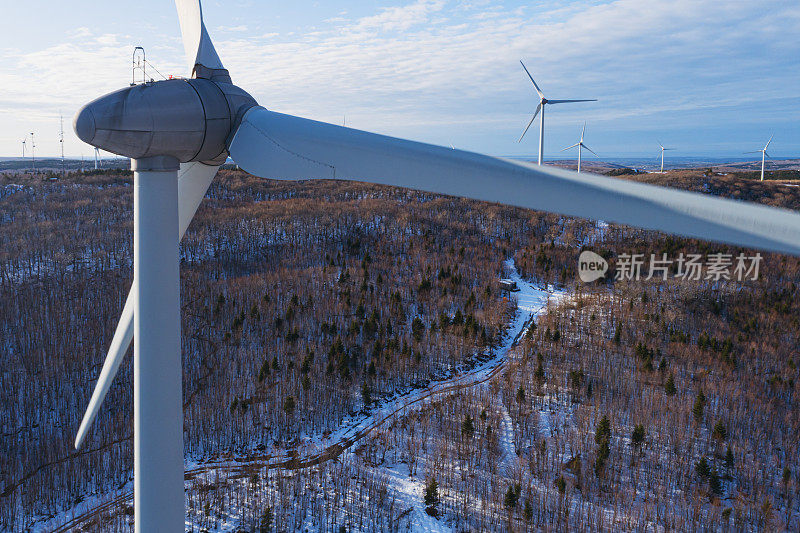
(532, 301)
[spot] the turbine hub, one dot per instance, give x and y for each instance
(188, 119)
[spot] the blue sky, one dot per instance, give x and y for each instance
(706, 77)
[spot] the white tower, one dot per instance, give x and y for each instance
(543, 102)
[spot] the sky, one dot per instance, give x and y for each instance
(706, 77)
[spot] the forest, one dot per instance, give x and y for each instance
(628, 405)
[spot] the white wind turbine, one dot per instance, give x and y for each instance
(178, 132)
(764, 156)
(662, 154)
(580, 145)
(543, 102)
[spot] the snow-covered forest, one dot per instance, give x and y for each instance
(351, 364)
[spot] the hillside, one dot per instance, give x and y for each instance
(310, 307)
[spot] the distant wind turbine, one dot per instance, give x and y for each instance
(540, 108)
(23, 146)
(580, 145)
(764, 156)
(662, 154)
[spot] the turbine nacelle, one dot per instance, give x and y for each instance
(188, 119)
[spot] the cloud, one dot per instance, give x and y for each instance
(639, 57)
(232, 29)
(401, 18)
(436, 68)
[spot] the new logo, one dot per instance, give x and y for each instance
(591, 267)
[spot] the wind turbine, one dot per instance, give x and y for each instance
(179, 131)
(543, 102)
(580, 145)
(33, 153)
(23, 146)
(662, 154)
(764, 156)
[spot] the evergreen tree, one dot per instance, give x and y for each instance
(602, 437)
(521, 395)
(266, 521)
(512, 497)
(528, 512)
(289, 405)
(714, 483)
(729, 458)
(366, 394)
(702, 468)
(432, 493)
(561, 485)
(699, 407)
(417, 329)
(720, 432)
(603, 432)
(431, 498)
(669, 386)
(539, 374)
(468, 427)
(637, 438)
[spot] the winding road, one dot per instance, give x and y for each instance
(531, 302)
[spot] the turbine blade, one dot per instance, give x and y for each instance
(538, 90)
(568, 101)
(116, 353)
(583, 131)
(768, 142)
(273, 145)
(193, 182)
(568, 147)
(199, 49)
(587, 148)
(538, 108)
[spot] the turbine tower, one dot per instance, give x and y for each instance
(61, 142)
(580, 145)
(179, 131)
(33, 153)
(23, 147)
(96, 158)
(764, 156)
(543, 102)
(662, 154)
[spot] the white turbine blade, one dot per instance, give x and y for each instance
(568, 147)
(583, 131)
(538, 90)
(273, 145)
(538, 108)
(196, 42)
(116, 353)
(193, 182)
(568, 101)
(756, 152)
(587, 148)
(194, 179)
(768, 142)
